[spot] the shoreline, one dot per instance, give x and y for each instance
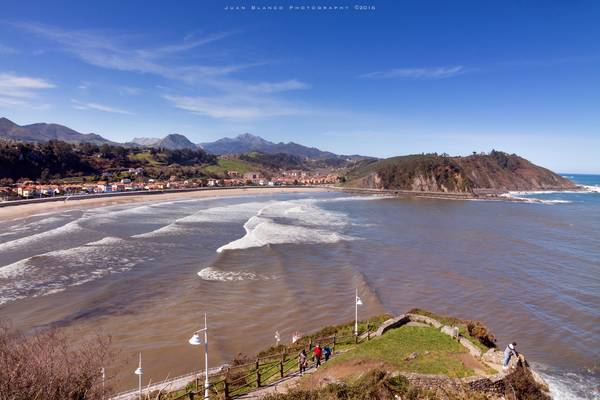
(25, 208)
(43, 206)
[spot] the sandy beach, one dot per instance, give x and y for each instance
(26, 210)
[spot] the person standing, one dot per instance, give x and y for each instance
(302, 361)
(511, 350)
(326, 353)
(318, 353)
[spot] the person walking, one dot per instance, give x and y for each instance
(318, 353)
(511, 350)
(302, 361)
(326, 353)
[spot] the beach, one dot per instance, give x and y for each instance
(26, 210)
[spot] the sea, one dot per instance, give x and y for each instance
(145, 273)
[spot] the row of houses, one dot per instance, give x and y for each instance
(33, 190)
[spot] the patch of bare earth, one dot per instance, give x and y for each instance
(342, 370)
(471, 362)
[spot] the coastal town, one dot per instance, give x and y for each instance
(133, 180)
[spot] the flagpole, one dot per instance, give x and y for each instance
(206, 383)
(356, 313)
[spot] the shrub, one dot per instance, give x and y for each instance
(44, 366)
(478, 330)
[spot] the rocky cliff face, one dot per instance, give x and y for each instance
(496, 171)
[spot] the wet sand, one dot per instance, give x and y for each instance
(27, 210)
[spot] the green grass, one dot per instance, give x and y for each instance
(452, 321)
(434, 351)
(145, 158)
(225, 165)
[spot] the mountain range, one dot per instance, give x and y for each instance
(42, 132)
(244, 143)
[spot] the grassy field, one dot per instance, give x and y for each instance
(145, 158)
(225, 165)
(435, 352)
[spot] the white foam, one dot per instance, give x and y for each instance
(211, 274)
(220, 214)
(302, 220)
(519, 196)
(592, 188)
(569, 385)
(54, 271)
(66, 229)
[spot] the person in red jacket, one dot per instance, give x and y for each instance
(318, 353)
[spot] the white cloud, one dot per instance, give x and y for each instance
(231, 97)
(235, 107)
(273, 87)
(113, 51)
(99, 107)
(417, 73)
(18, 90)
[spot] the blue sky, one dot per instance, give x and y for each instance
(407, 77)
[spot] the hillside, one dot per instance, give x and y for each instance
(57, 160)
(418, 355)
(42, 132)
(495, 171)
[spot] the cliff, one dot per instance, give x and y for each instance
(496, 171)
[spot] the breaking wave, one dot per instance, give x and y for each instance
(299, 221)
(66, 229)
(211, 274)
(221, 214)
(56, 270)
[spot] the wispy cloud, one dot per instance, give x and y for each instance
(417, 73)
(79, 105)
(16, 90)
(230, 97)
(236, 106)
(114, 51)
(4, 49)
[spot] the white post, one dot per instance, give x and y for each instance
(356, 313)
(103, 380)
(206, 397)
(140, 376)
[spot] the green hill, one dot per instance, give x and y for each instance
(441, 173)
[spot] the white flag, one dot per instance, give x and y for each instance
(358, 301)
(296, 337)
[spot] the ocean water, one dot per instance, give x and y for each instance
(145, 273)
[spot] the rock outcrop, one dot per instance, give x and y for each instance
(496, 172)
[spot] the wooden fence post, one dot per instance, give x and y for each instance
(334, 340)
(368, 335)
(226, 385)
(191, 395)
(356, 338)
(281, 364)
(257, 373)
(197, 383)
(226, 389)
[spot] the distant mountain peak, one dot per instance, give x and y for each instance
(175, 141)
(44, 132)
(247, 142)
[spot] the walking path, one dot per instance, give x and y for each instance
(168, 385)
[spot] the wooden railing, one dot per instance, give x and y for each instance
(238, 380)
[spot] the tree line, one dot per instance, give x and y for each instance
(57, 159)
